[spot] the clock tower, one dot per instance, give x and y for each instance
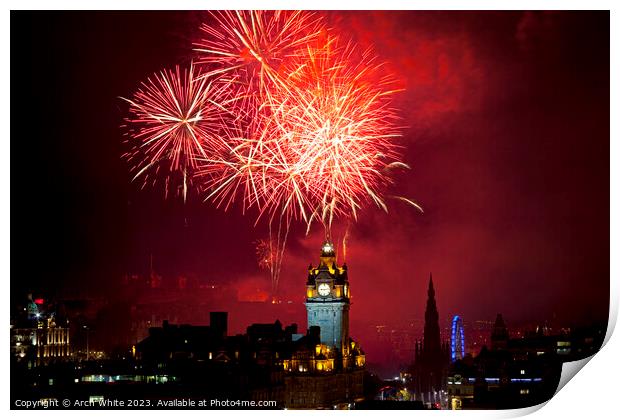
(327, 298)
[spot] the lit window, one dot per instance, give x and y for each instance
(522, 372)
(525, 391)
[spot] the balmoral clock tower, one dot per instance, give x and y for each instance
(327, 298)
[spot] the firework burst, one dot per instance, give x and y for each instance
(269, 254)
(343, 127)
(253, 46)
(282, 118)
(176, 118)
(264, 254)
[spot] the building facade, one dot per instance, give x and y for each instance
(38, 337)
(327, 299)
(326, 368)
(322, 369)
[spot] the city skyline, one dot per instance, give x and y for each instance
(495, 227)
(323, 368)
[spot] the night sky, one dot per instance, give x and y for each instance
(507, 118)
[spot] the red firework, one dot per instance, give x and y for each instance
(283, 118)
(264, 254)
(269, 254)
(324, 144)
(255, 43)
(342, 127)
(176, 118)
(253, 46)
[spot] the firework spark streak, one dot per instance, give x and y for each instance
(255, 43)
(269, 255)
(344, 242)
(176, 117)
(252, 46)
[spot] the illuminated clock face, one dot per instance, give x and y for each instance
(324, 289)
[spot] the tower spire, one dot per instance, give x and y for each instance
(431, 289)
(429, 367)
(431, 321)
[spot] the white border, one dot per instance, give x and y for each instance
(591, 395)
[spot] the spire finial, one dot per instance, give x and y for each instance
(431, 289)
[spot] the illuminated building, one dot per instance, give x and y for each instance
(327, 298)
(495, 379)
(326, 368)
(38, 337)
(32, 308)
(322, 369)
(460, 391)
(42, 343)
(247, 366)
(269, 362)
(517, 372)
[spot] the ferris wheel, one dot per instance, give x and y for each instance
(457, 339)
